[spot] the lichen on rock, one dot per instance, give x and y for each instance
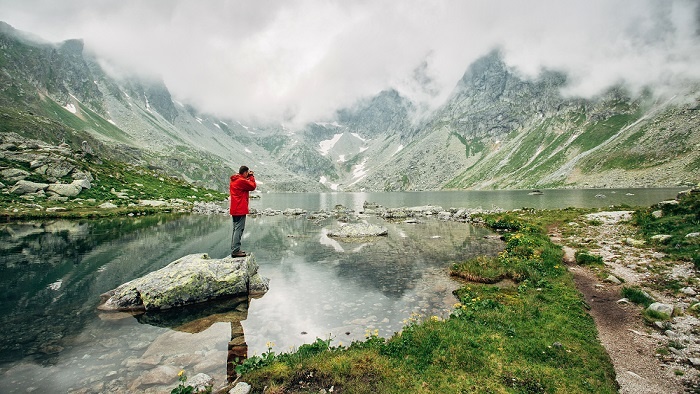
(188, 280)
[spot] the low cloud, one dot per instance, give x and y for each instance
(300, 60)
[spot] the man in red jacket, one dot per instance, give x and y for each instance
(240, 187)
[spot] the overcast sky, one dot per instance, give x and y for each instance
(300, 60)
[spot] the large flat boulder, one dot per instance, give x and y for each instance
(188, 280)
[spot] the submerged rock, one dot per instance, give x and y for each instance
(190, 279)
(358, 230)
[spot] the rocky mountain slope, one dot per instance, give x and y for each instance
(497, 130)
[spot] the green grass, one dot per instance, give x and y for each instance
(677, 220)
(584, 257)
(533, 336)
(596, 133)
(637, 296)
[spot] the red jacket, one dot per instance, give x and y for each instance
(239, 188)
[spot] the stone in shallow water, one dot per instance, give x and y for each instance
(190, 279)
(356, 230)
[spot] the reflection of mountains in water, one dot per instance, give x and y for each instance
(391, 264)
(52, 272)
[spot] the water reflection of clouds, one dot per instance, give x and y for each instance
(328, 241)
(321, 287)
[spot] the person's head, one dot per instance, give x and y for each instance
(243, 170)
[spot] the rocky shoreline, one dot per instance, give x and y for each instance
(344, 214)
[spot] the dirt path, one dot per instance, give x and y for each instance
(648, 358)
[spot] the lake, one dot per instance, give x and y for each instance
(53, 272)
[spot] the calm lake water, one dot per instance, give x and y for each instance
(52, 273)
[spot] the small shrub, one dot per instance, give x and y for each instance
(652, 316)
(637, 296)
(585, 258)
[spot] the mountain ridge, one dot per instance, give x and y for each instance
(497, 130)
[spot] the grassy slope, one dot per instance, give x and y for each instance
(527, 157)
(137, 183)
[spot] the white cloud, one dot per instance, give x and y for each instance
(299, 60)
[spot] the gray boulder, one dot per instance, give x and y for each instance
(14, 174)
(190, 279)
(83, 183)
(26, 187)
(201, 382)
(59, 169)
(664, 309)
(65, 189)
(661, 237)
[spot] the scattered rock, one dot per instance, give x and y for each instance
(356, 230)
(65, 190)
(661, 237)
(153, 203)
(14, 174)
(240, 388)
(201, 382)
(688, 291)
(569, 255)
(610, 217)
(107, 205)
(612, 279)
(294, 212)
(25, 187)
(634, 242)
(664, 309)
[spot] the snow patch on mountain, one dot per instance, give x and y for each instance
(324, 181)
(359, 137)
(326, 145)
(359, 171)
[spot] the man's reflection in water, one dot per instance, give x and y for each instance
(237, 350)
(195, 319)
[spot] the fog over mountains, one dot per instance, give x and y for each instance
(497, 127)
